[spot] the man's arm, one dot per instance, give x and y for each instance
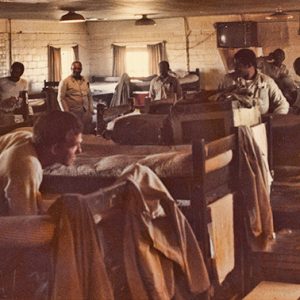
(228, 83)
(151, 89)
(90, 99)
(178, 90)
(61, 97)
(22, 190)
(278, 103)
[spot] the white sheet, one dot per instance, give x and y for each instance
(103, 87)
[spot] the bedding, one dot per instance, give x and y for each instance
(103, 87)
(104, 159)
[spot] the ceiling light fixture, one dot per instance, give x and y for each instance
(72, 17)
(144, 21)
(279, 15)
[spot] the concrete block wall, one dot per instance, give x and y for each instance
(29, 45)
(203, 52)
(29, 41)
(103, 34)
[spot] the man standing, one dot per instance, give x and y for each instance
(165, 86)
(259, 86)
(56, 138)
(74, 96)
(10, 88)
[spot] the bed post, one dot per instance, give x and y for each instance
(268, 119)
(101, 125)
(198, 200)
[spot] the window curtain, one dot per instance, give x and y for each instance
(157, 53)
(54, 64)
(76, 52)
(118, 60)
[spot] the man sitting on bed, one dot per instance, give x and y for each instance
(56, 138)
(165, 86)
(259, 86)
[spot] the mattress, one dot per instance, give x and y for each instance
(102, 158)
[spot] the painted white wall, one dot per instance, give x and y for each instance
(31, 38)
(203, 51)
(29, 43)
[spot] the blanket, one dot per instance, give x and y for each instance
(141, 248)
(254, 183)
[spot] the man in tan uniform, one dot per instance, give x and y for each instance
(74, 96)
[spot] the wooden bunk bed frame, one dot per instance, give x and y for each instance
(194, 194)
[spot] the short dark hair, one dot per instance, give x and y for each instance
(246, 57)
(297, 65)
(51, 128)
(278, 54)
(76, 62)
(17, 64)
(164, 62)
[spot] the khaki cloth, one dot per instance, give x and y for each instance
(254, 183)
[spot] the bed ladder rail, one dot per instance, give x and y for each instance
(203, 195)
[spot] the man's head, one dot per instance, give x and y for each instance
(76, 68)
(297, 66)
(57, 137)
(278, 56)
(245, 63)
(16, 71)
(164, 68)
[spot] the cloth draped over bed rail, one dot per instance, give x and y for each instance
(138, 224)
(139, 209)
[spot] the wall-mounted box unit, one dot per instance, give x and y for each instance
(236, 34)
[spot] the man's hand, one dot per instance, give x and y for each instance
(9, 104)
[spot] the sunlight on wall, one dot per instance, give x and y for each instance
(137, 62)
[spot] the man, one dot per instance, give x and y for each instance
(273, 65)
(165, 86)
(297, 66)
(56, 138)
(74, 96)
(10, 88)
(259, 86)
(296, 104)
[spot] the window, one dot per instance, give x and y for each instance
(67, 57)
(136, 62)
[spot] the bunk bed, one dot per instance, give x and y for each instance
(203, 191)
(103, 87)
(205, 181)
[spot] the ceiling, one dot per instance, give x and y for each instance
(132, 9)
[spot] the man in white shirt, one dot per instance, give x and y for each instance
(165, 86)
(74, 96)
(10, 89)
(259, 86)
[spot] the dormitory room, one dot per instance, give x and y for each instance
(150, 150)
